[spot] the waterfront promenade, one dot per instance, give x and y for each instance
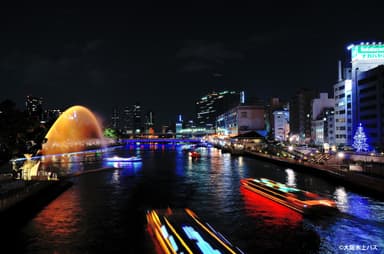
(356, 180)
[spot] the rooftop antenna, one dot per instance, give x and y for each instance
(340, 71)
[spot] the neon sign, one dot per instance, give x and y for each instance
(367, 52)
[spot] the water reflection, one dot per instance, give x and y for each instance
(270, 212)
(291, 177)
(111, 203)
(341, 199)
(59, 223)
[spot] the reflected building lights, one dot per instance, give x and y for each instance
(227, 162)
(341, 198)
(115, 176)
(291, 177)
(240, 161)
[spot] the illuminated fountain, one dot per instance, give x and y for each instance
(75, 130)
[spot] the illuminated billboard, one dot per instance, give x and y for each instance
(368, 52)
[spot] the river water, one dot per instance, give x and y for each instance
(104, 212)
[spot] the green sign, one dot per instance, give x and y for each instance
(368, 52)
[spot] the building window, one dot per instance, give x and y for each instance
(243, 114)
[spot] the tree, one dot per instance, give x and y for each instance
(360, 140)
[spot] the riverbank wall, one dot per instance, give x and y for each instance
(29, 198)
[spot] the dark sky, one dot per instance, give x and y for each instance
(167, 55)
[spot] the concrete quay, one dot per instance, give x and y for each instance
(28, 198)
(354, 180)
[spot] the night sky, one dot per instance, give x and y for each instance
(166, 56)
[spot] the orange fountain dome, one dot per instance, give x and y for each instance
(76, 129)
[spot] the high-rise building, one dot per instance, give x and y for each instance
(343, 107)
(149, 122)
(366, 87)
(115, 119)
(179, 126)
(370, 105)
(34, 107)
(212, 105)
(300, 108)
(281, 124)
(132, 119)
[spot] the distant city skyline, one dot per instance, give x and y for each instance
(167, 56)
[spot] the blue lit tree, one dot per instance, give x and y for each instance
(360, 140)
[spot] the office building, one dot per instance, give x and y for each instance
(115, 119)
(270, 117)
(343, 107)
(281, 124)
(323, 128)
(212, 105)
(241, 119)
(366, 88)
(149, 123)
(300, 108)
(132, 119)
(370, 105)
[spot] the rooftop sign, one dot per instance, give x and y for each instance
(367, 52)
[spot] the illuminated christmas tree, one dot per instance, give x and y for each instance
(360, 140)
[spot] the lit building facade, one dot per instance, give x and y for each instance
(321, 120)
(132, 119)
(323, 128)
(370, 105)
(281, 124)
(273, 105)
(241, 119)
(342, 91)
(367, 90)
(210, 106)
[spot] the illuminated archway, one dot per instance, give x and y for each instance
(75, 130)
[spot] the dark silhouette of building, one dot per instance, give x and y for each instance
(133, 119)
(34, 107)
(210, 106)
(115, 119)
(273, 105)
(149, 123)
(300, 114)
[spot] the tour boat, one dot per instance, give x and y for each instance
(123, 159)
(195, 154)
(304, 202)
(182, 231)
